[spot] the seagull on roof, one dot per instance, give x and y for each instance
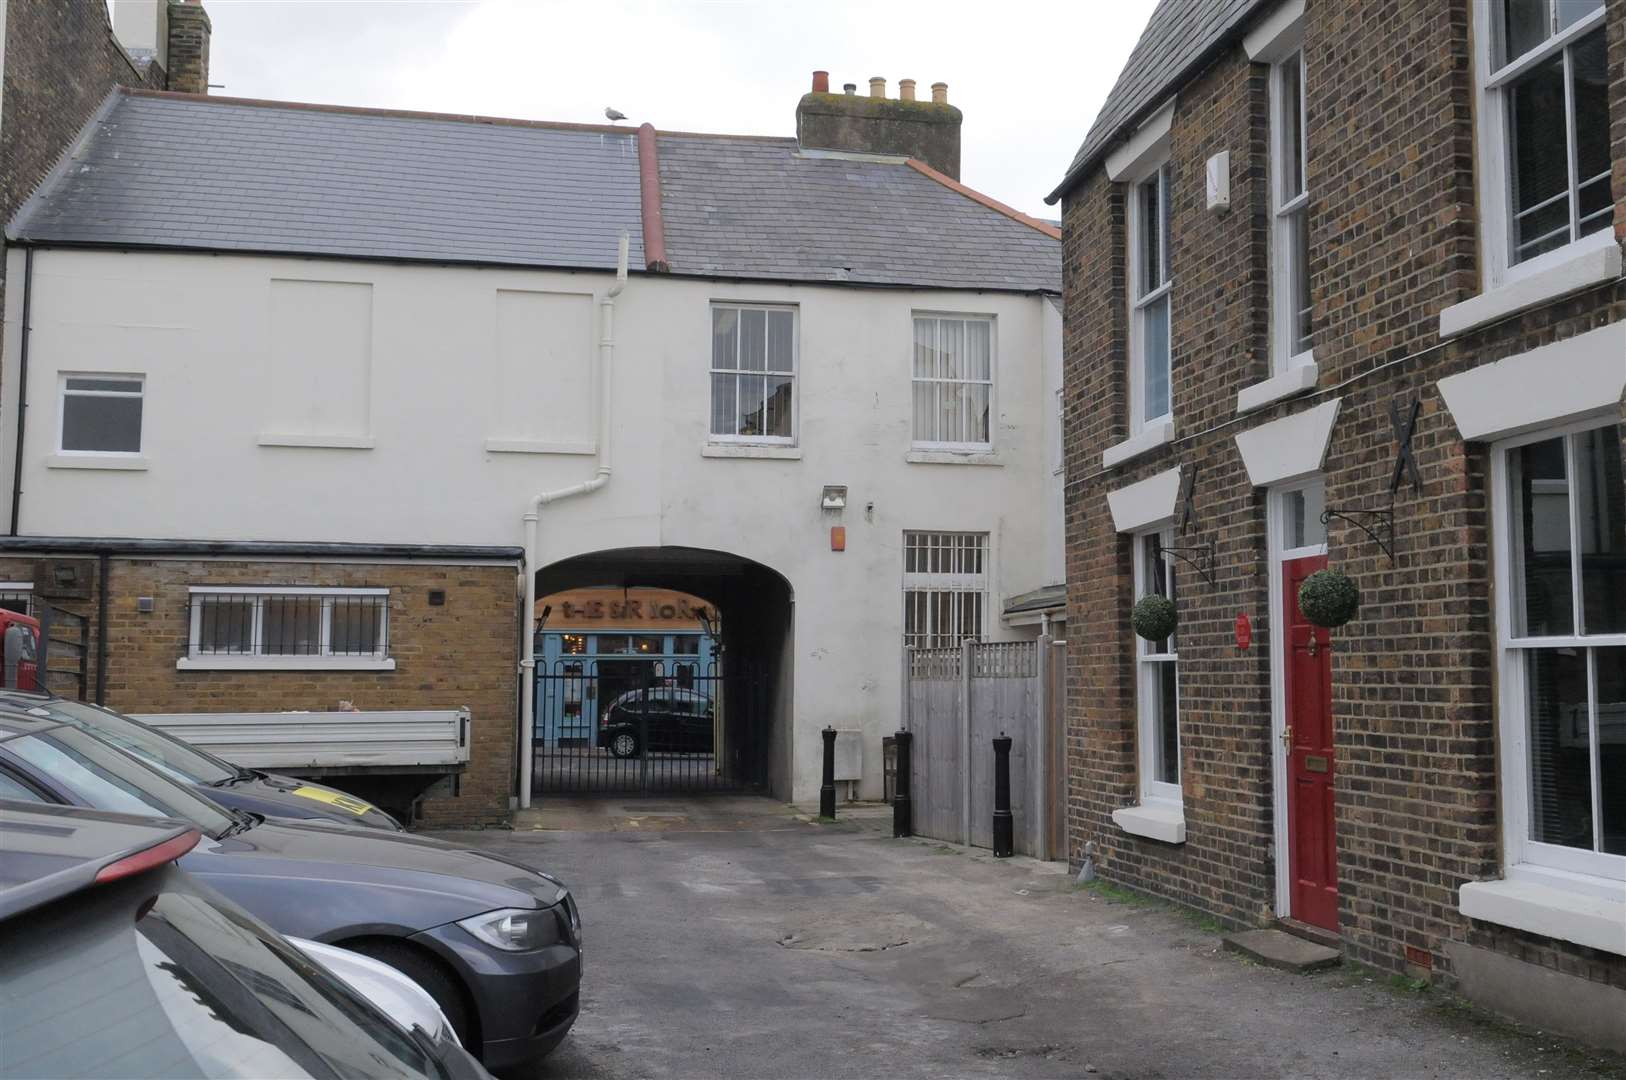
(613, 115)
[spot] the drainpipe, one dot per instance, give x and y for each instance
(22, 386)
(533, 555)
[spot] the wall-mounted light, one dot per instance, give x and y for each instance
(834, 497)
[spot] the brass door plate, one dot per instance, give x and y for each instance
(1316, 763)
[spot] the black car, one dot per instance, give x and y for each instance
(231, 785)
(115, 963)
(495, 943)
(664, 719)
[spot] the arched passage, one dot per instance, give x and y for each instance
(659, 723)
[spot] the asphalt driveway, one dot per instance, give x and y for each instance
(729, 938)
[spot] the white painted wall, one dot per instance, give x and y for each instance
(199, 328)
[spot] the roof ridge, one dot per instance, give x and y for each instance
(986, 200)
(364, 110)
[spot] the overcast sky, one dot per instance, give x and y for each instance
(1029, 76)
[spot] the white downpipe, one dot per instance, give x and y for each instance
(533, 554)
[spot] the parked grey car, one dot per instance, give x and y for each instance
(115, 963)
(231, 785)
(496, 944)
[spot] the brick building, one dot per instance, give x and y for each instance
(1308, 245)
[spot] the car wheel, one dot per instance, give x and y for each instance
(428, 973)
(624, 745)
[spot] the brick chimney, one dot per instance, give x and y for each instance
(188, 53)
(926, 130)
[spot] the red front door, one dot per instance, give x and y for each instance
(1312, 850)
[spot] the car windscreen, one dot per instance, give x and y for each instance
(163, 752)
(106, 778)
(190, 987)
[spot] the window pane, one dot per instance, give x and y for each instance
(1560, 748)
(111, 424)
(1611, 676)
(753, 339)
(950, 413)
(1601, 494)
(1151, 235)
(1542, 602)
(1525, 25)
(358, 624)
(614, 644)
(723, 391)
(225, 624)
(1300, 284)
(293, 626)
(779, 412)
(1589, 63)
(979, 350)
(753, 391)
(121, 386)
(1571, 12)
(1166, 737)
(725, 338)
(1540, 161)
(952, 342)
(1165, 217)
(1155, 358)
(925, 348)
(1302, 517)
(781, 327)
(976, 413)
(1157, 579)
(1292, 144)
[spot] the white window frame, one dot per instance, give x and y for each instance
(324, 660)
(935, 582)
(1284, 254)
(23, 590)
(1138, 302)
(63, 393)
(794, 374)
(1525, 859)
(991, 383)
(1148, 665)
(1495, 144)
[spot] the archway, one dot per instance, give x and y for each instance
(625, 712)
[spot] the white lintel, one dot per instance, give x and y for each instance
(1549, 385)
(1289, 448)
(1145, 503)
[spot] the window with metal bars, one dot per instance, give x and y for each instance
(953, 382)
(1552, 79)
(279, 623)
(17, 596)
(945, 588)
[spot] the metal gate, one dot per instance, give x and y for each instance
(647, 726)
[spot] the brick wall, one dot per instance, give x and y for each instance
(1393, 219)
(464, 652)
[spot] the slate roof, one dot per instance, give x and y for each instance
(174, 172)
(177, 172)
(759, 208)
(1178, 37)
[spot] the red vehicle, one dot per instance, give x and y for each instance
(20, 650)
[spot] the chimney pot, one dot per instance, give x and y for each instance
(877, 87)
(939, 93)
(906, 89)
(851, 88)
(821, 82)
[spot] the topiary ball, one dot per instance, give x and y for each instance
(1154, 617)
(1329, 598)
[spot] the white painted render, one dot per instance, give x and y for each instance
(413, 461)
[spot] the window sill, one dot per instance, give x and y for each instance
(1596, 258)
(1143, 442)
(1584, 919)
(283, 663)
(529, 446)
(326, 442)
(749, 450)
(108, 462)
(1293, 381)
(1155, 821)
(952, 457)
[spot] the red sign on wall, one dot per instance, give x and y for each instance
(1244, 631)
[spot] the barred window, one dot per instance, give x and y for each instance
(17, 596)
(945, 588)
(263, 626)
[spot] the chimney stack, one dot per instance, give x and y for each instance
(928, 131)
(188, 47)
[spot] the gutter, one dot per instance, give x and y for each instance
(649, 202)
(533, 555)
(22, 387)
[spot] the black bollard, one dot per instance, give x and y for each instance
(1004, 833)
(903, 810)
(827, 793)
